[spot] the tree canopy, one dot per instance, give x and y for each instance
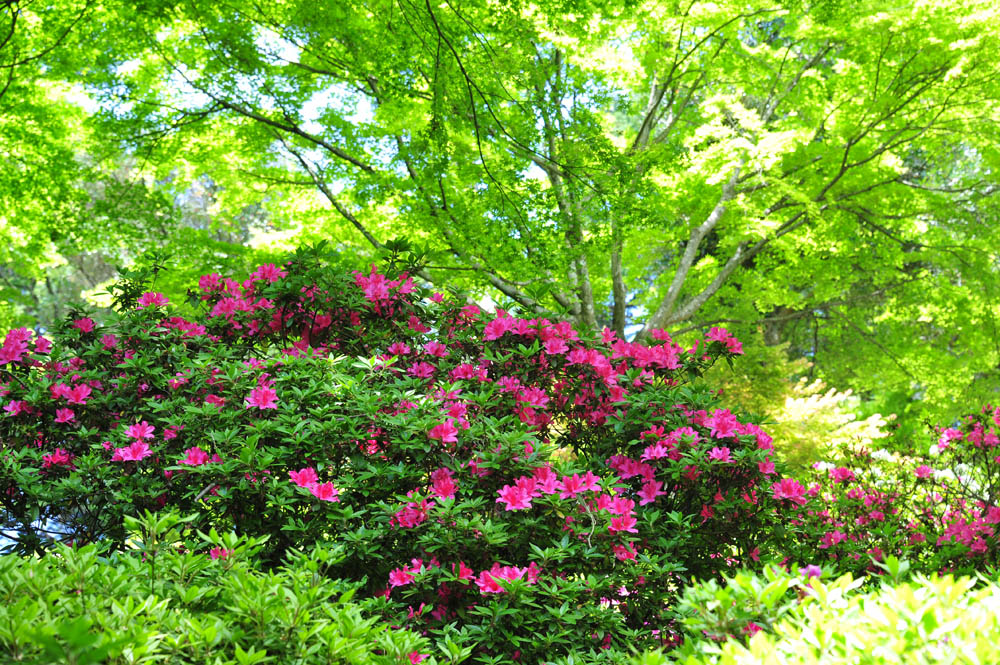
(821, 171)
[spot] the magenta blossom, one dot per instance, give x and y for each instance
(141, 430)
(304, 477)
(722, 454)
(325, 492)
(195, 457)
(262, 397)
(446, 432)
(84, 325)
(152, 299)
(789, 488)
(136, 451)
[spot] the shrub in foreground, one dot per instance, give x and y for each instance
(926, 620)
(197, 600)
(512, 485)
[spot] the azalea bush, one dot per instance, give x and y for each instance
(939, 509)
(510, 485)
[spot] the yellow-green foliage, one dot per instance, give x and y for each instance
(806, 418)
(928, 620)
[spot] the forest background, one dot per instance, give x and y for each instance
(818, 177)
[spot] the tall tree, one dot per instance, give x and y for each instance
(822, 169)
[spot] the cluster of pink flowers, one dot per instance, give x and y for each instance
(262, 397)
(15, 346)
(725, 337)
(444, 376)
(308, 479)
(152, 299)
(59, 457)
(139, 449)
(488, 581)
(379, 290)
(195, 456)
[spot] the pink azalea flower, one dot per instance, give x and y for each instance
(16, 406)
(304, 477)
(325, 492)
(84, 325)
(262, 397)
(210, 282)
(841, 474)
(421, 370)
(591, 482)
(195, 457)
(923, 471)
(416, 657)
(555, 346)
(789, 488)
(463, 572)
(64, 415)
(136, 451)
(489, 580)
(416, 326)
(720, 455)
(268, 272)
(219, 553)
(723, 423)
(497, 328)
(152, 299)
(446, 432)
(533, 396)
(400, 577)
(624, 523)
(442, 483)
(141, 430)
(514, 497)
(650, 490)
(436, 349)
(571, 486)
(812, 570)
(78, 394)
(398, 349)
(621, 506)
(58, 458)
(624, 552)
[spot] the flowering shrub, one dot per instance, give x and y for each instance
(508, 484)
(939, 510)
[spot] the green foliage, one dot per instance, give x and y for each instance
(824, 170)
(925, 620)
(167, 600)
(808, 421)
